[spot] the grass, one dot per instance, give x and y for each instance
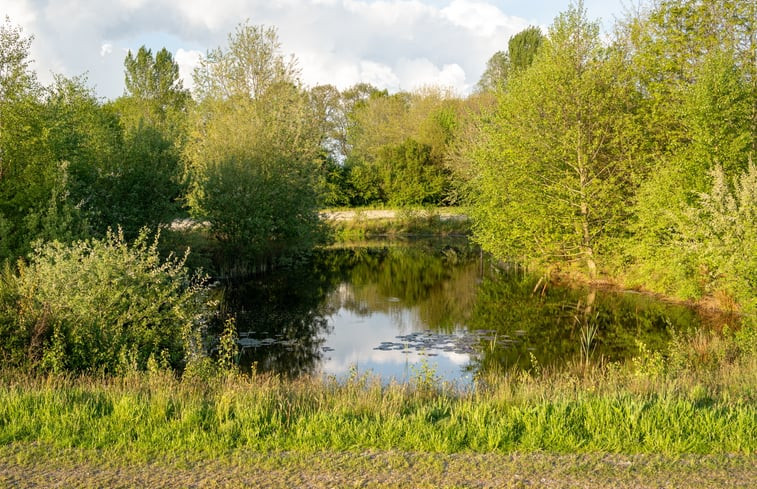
(153, 414)
(651, 422)
(407, 222)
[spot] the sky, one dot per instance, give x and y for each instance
(392, 44)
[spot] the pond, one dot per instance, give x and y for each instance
(396, 308)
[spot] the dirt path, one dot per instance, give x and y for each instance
(31, 466)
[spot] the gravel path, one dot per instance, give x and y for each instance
(31, 466)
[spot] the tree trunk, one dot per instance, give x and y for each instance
(588, 251)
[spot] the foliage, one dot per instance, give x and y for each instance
(553, 166)
(254, 149)
(724, 230)
(155, 97)
(697, 79)
(142, 187)
(258, 204)
(249, 66)
(409, 174)
(521, 50)
(385, 137)
(495, 73)
(101, 305)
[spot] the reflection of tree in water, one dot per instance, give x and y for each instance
(286, 305)
(282, 315)
(549, 322)
(436, 283)
(443, 288)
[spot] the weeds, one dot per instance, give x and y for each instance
(605, 409)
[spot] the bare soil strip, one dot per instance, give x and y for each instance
(33, 466)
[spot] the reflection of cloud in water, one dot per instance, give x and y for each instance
(355, 337)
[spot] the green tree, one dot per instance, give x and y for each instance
(249, 66)
(495, 73)
(409, 174)
(147, 178)
(43, 148)
(695, 64)
(552, 163)
(155, 95)
(521, 50)
(523, 46)
(253, 152)
(380, 127)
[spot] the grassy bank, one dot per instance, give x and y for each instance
(362, 223)
(141, 416)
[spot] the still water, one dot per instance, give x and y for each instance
(392, 308)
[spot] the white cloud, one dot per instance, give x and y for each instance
(187, 61)
(105, 49)
(19, 12)
(421, 72)
(378, 74)
(394, 44)
(481, 18)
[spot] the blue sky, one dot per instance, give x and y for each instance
(394, 44)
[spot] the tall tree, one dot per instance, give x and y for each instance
(523, 46)
(254, 147)
(552, 160)
(35, 183)
(521, 49)
(18, 85)
(155, 94)
(695, 63)
(147, 179)
(251, 64)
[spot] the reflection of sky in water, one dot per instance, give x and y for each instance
(355, 337)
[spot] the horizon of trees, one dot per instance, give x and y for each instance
(629, 154)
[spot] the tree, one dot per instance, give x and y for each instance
(18, 87)
(695, 65)
(146, 180)
(251, 64)
(553, 160)
(254, 148)
(521, 50)
(495, 74)
(409, 175)
(155, 95)
(523, 46)
(382, 124)
(40, 152)
(16, 78)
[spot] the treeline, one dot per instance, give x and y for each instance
(252, 150)
(629, 155)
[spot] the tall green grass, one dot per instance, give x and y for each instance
(142, 415)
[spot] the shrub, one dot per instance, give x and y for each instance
(101, 305)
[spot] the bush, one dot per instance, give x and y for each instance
(101, 305)
(258, 204)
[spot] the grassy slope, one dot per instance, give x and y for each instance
(145, 415)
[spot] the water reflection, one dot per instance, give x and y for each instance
(386, 308)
